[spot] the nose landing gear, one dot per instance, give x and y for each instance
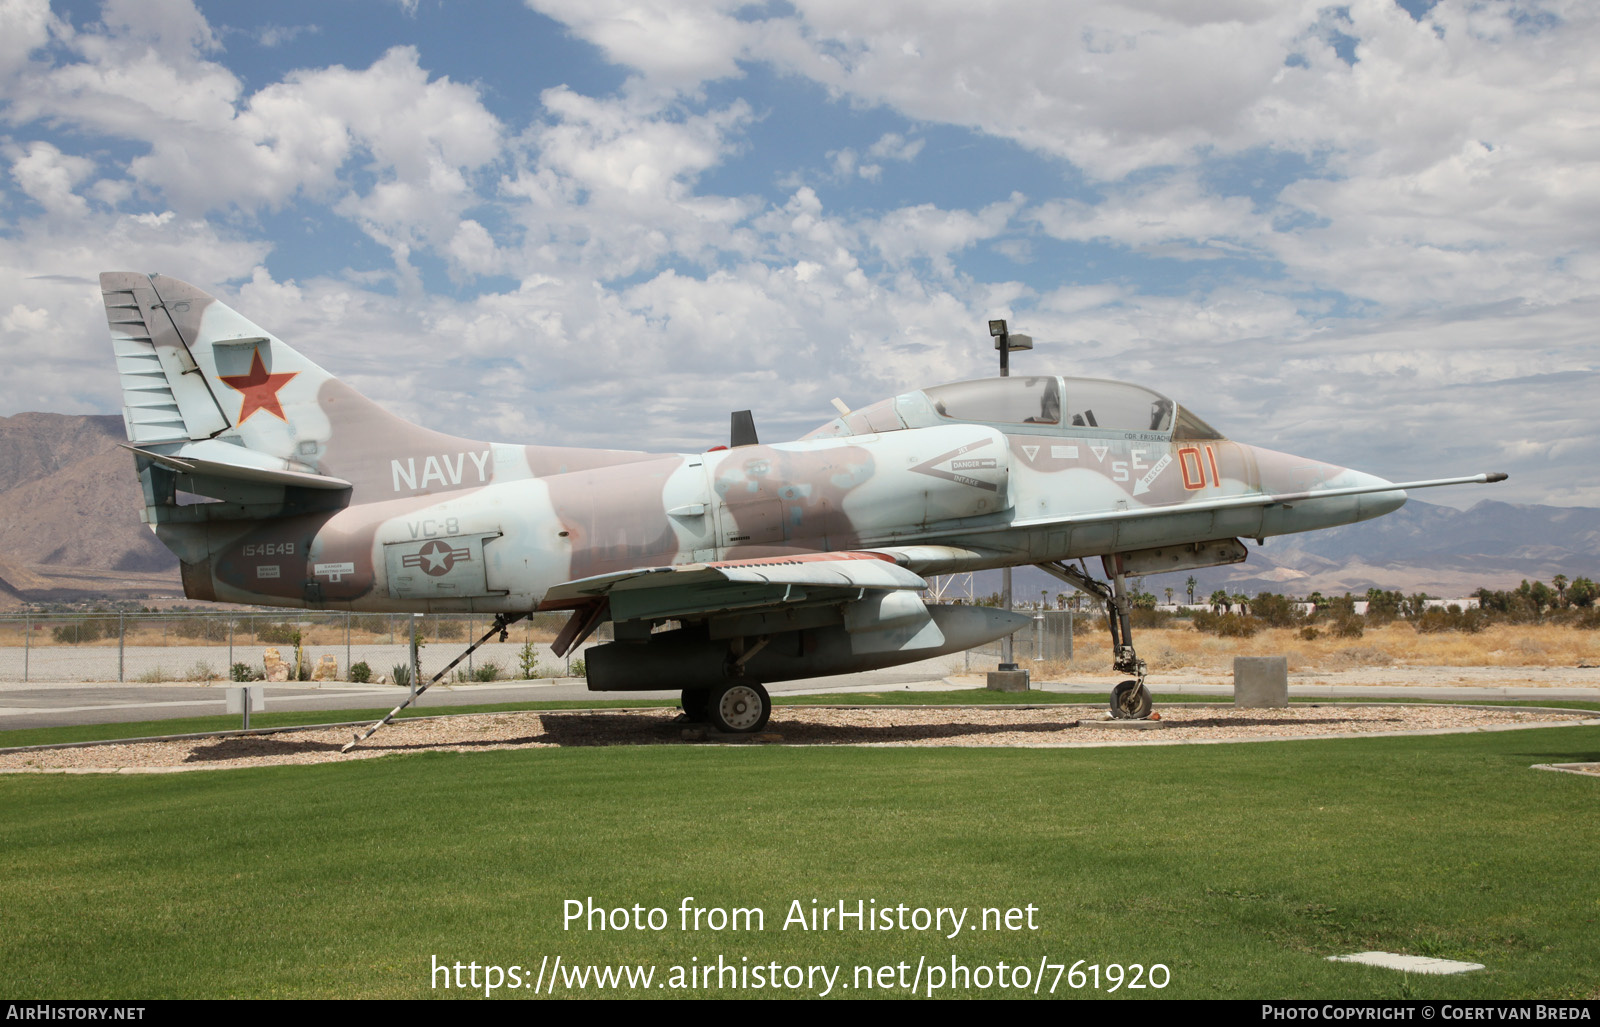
(1130, 700)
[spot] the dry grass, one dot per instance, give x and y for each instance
(1393, 645)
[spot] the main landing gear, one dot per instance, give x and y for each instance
(736, 706)
(733, 707)
(1130, 700)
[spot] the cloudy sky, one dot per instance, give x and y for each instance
(1367, 233)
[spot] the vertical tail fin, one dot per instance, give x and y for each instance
(213, 397)
(194, 369)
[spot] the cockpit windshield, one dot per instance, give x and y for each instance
(1092, 403)
(1089, 403)
(999, 400)
(1058, 406)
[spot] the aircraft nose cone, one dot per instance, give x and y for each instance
(1323, 493)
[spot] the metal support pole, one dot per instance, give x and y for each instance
(1007, 657)
(347, 644)
(501, 622)
(122, 642)
(416, 656)
(230, 648)
(27, 643)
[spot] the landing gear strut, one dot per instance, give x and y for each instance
(1130, 700)
(737, 705)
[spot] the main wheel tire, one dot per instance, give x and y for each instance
(1130, 701)
(696, 703)
(739, 707)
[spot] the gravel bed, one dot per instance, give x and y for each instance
(883, 726)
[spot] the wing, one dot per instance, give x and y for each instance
(694, 590)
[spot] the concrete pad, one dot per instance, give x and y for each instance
(1261, 682)
(1409, 964)
(1008, 681)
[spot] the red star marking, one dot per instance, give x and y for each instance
(260, 389)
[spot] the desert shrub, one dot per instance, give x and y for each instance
(278, 634)
(1275, 610)
(245, 672)
(372, 623)
(1226, 625)
(360, 673)
(1148, 617)
(1451, 618)
(578, 668)
(1309, 633)
(206, 629)
(528, 660)
(79, 631)
(402, 675)
(487, 672)
(1348, 626)
(449, 630)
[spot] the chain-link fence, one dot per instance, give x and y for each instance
(1049, 638)
(221, 646)
(216, 646)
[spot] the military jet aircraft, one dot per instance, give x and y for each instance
(719, 570)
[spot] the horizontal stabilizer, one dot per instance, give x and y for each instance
(220, 460)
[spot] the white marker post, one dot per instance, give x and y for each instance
(245, 699)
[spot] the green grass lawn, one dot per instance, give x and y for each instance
(1240, 868)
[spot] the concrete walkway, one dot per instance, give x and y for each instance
(61, 704)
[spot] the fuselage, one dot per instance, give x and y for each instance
(973, 475)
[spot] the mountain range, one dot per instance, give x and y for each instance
(70, 531)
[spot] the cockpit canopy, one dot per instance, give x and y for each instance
(1045, 405)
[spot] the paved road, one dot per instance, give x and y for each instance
(60, 704)
(55, 705)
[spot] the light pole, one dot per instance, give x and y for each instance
(1005, 342)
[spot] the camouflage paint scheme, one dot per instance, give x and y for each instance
(319, 498)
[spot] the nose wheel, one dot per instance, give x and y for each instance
(1130, 700)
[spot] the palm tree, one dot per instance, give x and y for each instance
(1560, 582)
(1191, 583)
